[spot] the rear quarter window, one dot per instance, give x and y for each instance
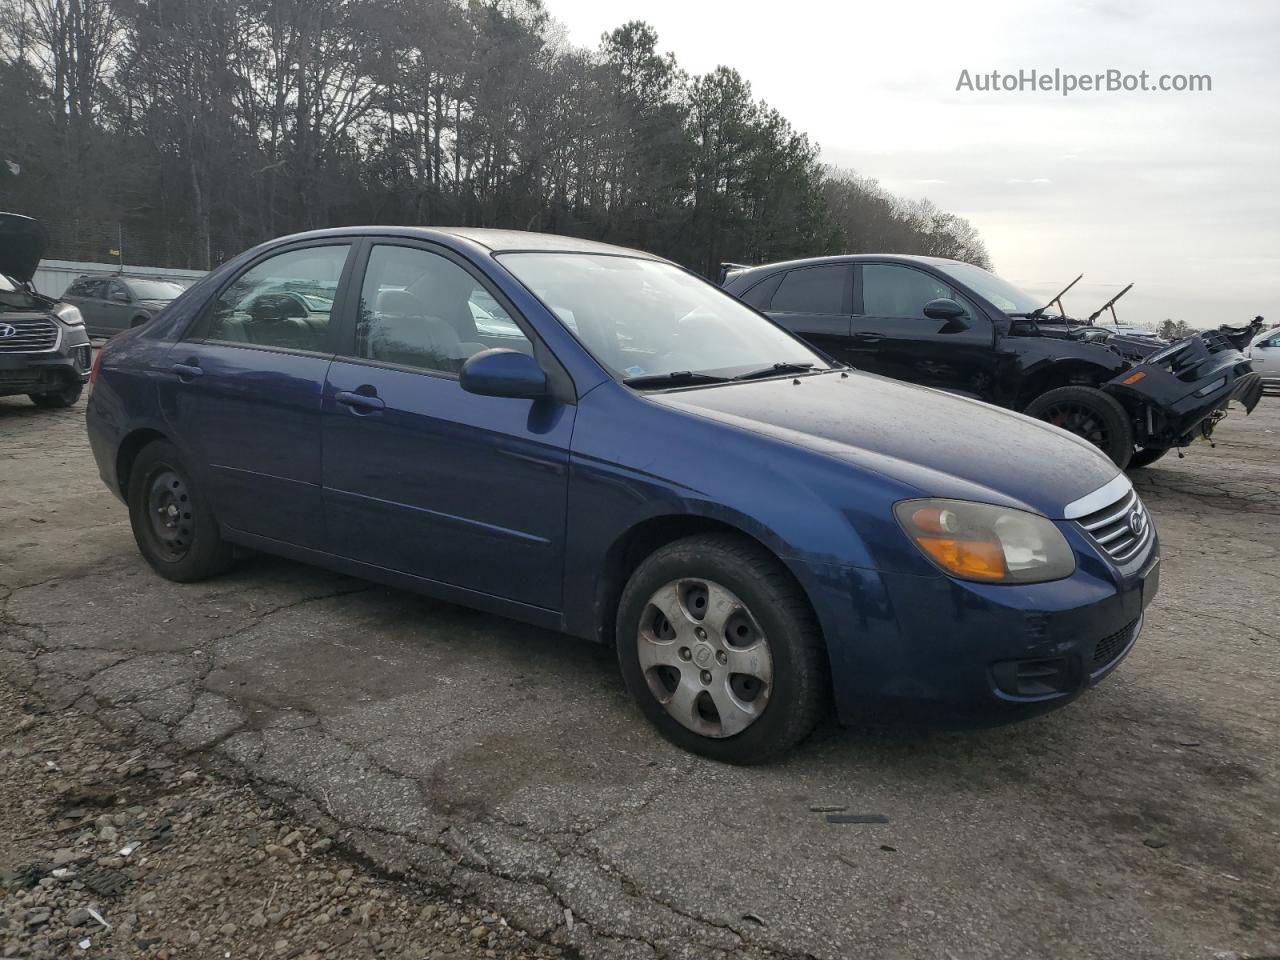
(761, 293)
(813, 290)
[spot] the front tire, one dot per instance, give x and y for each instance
(1146, 456)
(1090, 414)
(68, 396)
(173, 526)
(719, 647)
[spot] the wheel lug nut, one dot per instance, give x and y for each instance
(722, 657)
(706, 676)
(685, 654)
(700, 633)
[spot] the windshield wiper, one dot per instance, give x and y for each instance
(774, 370)
(677, 378)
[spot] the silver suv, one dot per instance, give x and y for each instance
(114, 303)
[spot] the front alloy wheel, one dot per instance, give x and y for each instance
(705, 657)
(1091, 414)
(720, 648)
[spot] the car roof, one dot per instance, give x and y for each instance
(493, 239)
(847, 258)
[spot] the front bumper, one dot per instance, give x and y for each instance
(69, 361)
(934, 650)
(1178, 388)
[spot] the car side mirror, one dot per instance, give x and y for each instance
(503, 373)
(943, 309)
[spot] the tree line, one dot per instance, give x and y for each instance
(201, 127)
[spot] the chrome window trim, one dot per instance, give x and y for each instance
(1104, 496)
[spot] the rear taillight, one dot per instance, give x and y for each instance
(93, 371)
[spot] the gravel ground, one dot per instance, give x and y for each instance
(113, 849)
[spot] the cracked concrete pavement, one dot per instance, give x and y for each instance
(506, 764)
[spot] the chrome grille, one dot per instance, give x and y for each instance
(1113, 527)
(28, 336)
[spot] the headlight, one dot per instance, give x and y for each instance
(978, 541)
(68, 314)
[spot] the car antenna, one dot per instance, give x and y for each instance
(1110, 305)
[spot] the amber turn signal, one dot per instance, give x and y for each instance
(971, 559)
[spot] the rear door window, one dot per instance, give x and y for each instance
(823, 289)
(282, 302)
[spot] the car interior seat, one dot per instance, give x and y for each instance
(400, 330)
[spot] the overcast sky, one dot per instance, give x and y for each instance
(1177, 192)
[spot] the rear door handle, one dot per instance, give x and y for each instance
(187, 371)
(359, 402)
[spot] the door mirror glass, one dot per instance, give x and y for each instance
(503, 373)
(943, 309)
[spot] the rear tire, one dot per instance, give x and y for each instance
(68, 396)
(1146, 456)
(1090, 414)
(739, 674)
(175, 530)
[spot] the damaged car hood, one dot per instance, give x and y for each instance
(22, 244)
(941, 444)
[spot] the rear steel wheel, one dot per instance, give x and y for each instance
(174, 528)
(705, 657)
(169, 509)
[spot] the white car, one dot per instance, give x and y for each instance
(1265, 353)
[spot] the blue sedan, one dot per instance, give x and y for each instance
(593, 440)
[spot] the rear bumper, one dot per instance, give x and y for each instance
(941, 652)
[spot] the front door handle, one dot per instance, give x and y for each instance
(867, 337)
(187, 371)
(359, 402)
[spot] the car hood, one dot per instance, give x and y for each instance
(22, 243)
(938, 443)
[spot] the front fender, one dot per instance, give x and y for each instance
(814, 513)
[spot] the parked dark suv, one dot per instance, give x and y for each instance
(959, 328)
(44, 350)
(112, 304)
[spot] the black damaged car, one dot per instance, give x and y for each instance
(44, 349)
(959, 328)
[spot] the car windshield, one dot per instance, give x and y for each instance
(155, 289)
(647, 319)
(997, 291)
